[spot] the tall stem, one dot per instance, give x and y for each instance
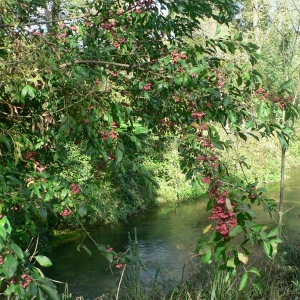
(281, 195)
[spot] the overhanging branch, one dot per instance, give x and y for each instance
(102, 62)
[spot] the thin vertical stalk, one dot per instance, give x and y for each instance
(281, 194)
(282, 177)
(137, 264)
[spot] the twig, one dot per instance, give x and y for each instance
(112, 63)
(102, 62)
(34, 252)
(117, 297)
(87, 233)
(288, 210)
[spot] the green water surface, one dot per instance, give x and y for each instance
(167, 236)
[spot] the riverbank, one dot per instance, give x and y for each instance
(114, 198)
(167, 237)
(256, 161)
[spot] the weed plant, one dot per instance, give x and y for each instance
(280, 278)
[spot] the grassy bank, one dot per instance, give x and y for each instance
(113, 195)
(280, 279)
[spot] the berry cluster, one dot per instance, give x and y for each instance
(176, 56)
(111, 134)
(282, 101)
(223, 210)
(25, 280)
(147, 87)
(65, 213)
(196, 115)
(75, 188)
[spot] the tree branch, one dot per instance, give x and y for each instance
(45, 22)
(102, 62)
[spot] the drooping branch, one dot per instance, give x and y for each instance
(102, 62)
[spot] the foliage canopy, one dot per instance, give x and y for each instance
(106, 76)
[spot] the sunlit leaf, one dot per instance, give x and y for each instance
(231, 263)
(243, 281)
(44, 261)
(243, 258)
(207, 229)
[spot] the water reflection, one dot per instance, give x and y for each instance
(166, 236)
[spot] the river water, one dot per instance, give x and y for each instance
(167, 236)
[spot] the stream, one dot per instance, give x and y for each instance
(166, 235)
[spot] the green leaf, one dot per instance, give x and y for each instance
(261, 107)
(261, 190)
(33, 288)
(283, 142)
(186, 80)
(4, 139)
(285, 85)
(210, 204)
(49, 288)
(238, 37)
(276, 240)
(206, 257)
(255, 271)
(10, 266)
(196, 70)
(40, 295)
(28, 89)
(3, 232)
(44, 261)
(86, 249)
(231, 263)
(18, 251)
(82, 209)
(243, 281)
(218, 145)
(177, 80)
(235, 231)
(136, 141)
(119, 155)
(14, 180)
(43, 212)
(219, 250)
(140, 130)
(64, 193)
(5, 223)
(11, 288)
(219, 28)
(239, 80)
(109, 257)
(246, 75)
(259, 287)
(20, 291)
(232, 117)
(274, 232)
(102, 248)
(244, 137)
(267, 248)
(204, 248)
(226, 100)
